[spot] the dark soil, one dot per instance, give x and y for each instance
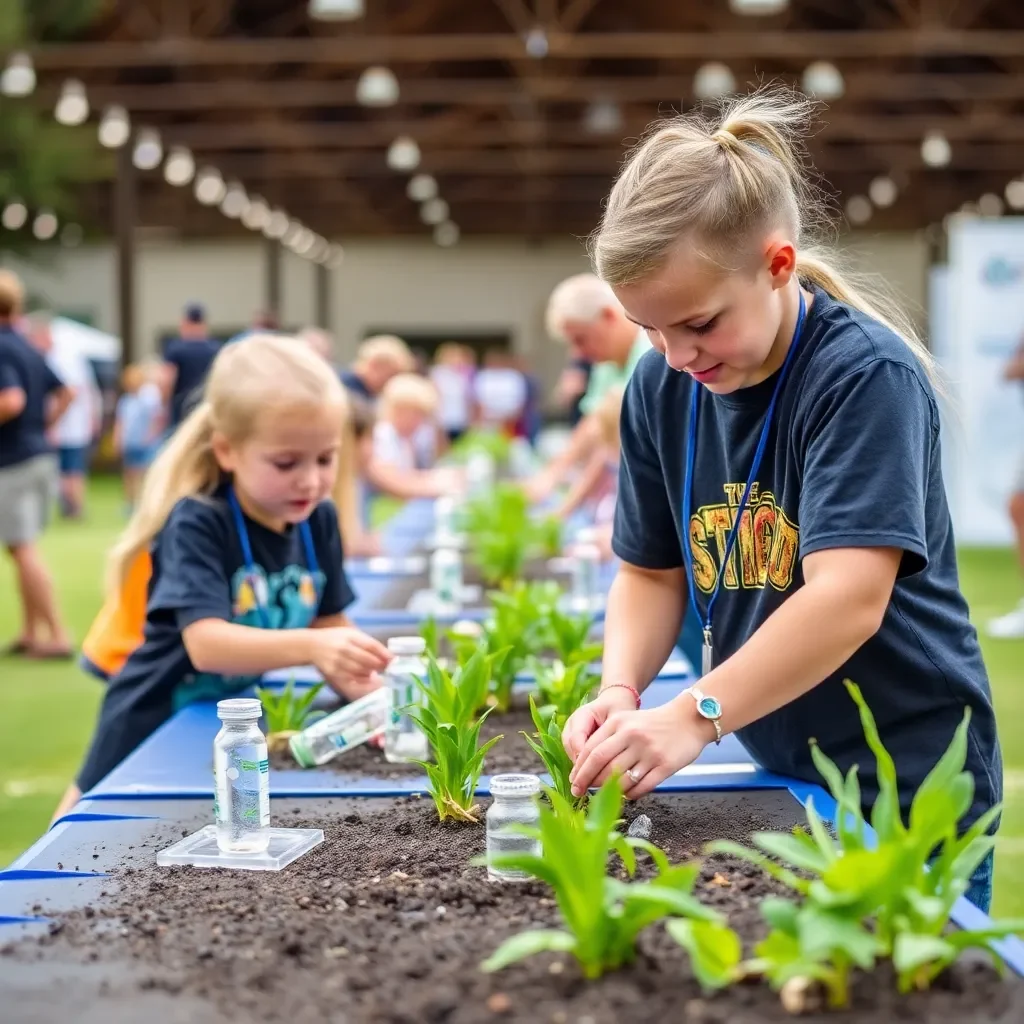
(386, 923)
(511, 754)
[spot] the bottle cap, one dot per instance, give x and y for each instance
(407, 645)
(514, 785)
(239, 709)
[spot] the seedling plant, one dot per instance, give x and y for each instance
(562, 689)
(448, 718)
(286, 713)
(568, 635)
(548, 746)
(889, 898)
(603, 916)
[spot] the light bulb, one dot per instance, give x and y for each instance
(936, 150)
(603, 117)
(44, 227)
(858, 210)
(19, 77)
(336, 10)
(713, 81)
(990, 205)
(277, 224)
(377, 87)
(292, 234)
(306, 242)
(823, 80)
(403, 154)
(536, 43)
(71, 236)
(73, 106)
(335, 258)
(210, 187)
(235, 201)
(756, 8)
(180, 167)
(14, 216)
(434, 211)
(258, 213)
(421, 187)
(446, 234)
(149, 150)
(115, 127)
(1015, 194)
(883, 191)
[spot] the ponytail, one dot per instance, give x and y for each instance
(185, 467)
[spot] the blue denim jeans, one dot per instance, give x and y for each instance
(980, 890)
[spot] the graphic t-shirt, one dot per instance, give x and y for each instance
(199, 573)
(852, 460)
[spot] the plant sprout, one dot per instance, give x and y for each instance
(548, 746)
(563, 689)
(602, 915)
(286, 712)
(898, 884)
(568, 637)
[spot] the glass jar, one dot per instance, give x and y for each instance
(241, 770)
(515, 804)
(404, 740)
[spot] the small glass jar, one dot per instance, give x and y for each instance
(515, 804)
(404, 740)
(241, 806)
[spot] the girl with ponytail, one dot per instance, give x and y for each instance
(780, 471)
(244, 546)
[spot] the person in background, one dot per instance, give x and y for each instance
(265, 321)
(452, 374)
(499, 392)
(530, 419)
(187, 360)
(1011, 625)
(571, 387)
(76, 431)
(246, 554)
(584, 313)
(138, 425)
(320, 341)
(32, 399)
(378, 359)
(406, 404)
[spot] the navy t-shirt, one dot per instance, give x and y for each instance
(199, 573)
(356, 385)
(852, 460)
(24, 367)
(192, 360)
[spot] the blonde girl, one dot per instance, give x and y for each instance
(781, 472)
(138, 423)
(246, 554)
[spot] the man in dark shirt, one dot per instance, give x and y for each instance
(188, 358)
(32, 399)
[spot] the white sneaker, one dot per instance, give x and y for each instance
(1009, 626)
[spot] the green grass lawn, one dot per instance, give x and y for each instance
(47, 710)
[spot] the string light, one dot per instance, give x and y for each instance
(115, 127)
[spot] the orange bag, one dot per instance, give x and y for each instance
(118, 628)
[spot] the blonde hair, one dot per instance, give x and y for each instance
(12, 294)
(385, 348)
(133, 376)
(607, 415)
(409, 390)
(581, 297)
(248, 379)
(720, 181)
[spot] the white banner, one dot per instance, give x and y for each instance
(983, 300)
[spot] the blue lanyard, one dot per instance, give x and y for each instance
(691, 451)
(250, 564)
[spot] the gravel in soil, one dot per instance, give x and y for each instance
(386, 923)
(510, 754)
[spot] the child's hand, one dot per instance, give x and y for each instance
(347, 658)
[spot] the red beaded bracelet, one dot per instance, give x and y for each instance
(625, 686)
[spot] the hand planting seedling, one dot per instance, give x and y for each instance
(891, 898)
(285, 713)
(448, 720)
(548, 746)
(602, 915)
(563, 689)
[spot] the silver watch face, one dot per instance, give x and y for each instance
(709, 707)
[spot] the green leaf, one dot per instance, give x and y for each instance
(863, 874)
(781, 874)
(822, 933)
(714, 949)
(825, 843)
(911, 951)
(789, 848)
(780, 913)
(948, 768)
(527, 944)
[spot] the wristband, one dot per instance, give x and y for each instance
(624, 686)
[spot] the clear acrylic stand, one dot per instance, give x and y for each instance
(200, 850)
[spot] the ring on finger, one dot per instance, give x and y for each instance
(634, 775)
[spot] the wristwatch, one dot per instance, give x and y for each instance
(709, 708)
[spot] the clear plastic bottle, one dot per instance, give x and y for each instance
(445, 525)
(514, 804)
(586, 577)
(403, 738)
(480, 471)
(446, 579)
(343, 729)
(241, 771)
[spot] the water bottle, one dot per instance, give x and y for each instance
(241, 770)
(445, 525)
(403, 738)
(480, 471)
(586, 577)
(514, 804)
(341, 730)
(446, 579)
